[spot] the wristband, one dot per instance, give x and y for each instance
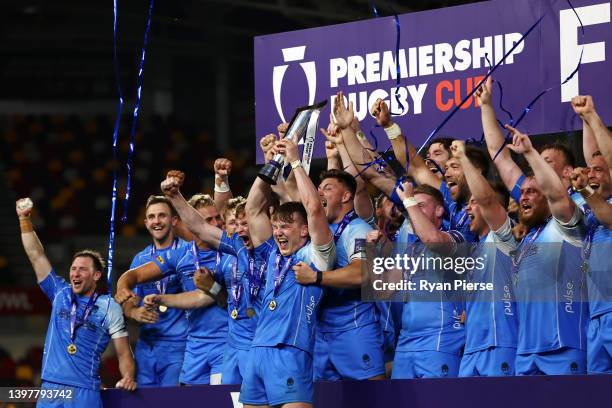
(586, 192)
(295, 164)
(319, 278)
(215, 289)
(393, 131)
(409, 202)
(221, 184)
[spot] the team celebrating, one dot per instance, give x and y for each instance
(266, 291)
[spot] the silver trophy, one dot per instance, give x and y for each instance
(303, 125)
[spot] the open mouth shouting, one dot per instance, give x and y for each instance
(283, 243)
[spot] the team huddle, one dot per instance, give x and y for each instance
(266, 291)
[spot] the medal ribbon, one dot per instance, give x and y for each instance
(74, 322)
(237, 288)
(348, 217)
(280, 273)
(516, 260)
(255, 280)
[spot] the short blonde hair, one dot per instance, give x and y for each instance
(201, 200)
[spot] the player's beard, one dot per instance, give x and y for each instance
(539, 213)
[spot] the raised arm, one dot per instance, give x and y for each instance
(506, 167)
(561, 205)
(359, 156)
(494, 214)
(362, 201)
(584, 106)
(31, 244)
(423, 227)
(190, 217)
(320, 234)
(600, 207)
(256, 210)
(223, 168)
(418, 169)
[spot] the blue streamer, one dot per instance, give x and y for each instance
(374, 9)
(529, 107)
(398, 28)
(136, 111)
(111, 238)
(469, 95)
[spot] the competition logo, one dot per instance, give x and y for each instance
(293, 54)
(160, 259)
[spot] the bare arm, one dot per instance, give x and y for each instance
(600, 207)
(561, 205)
(494, 214)
(318, 227)
(127, 367)
(584, 106)
(506, 167)
(31, 244)
(186, 300)
(148, 272)
(192, 219)
(418, 169)
(256, 210)
(223, 168)
(423, 227)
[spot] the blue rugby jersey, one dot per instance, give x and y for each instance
(429, 324)
(205, 324)
(104, 322)
(551, 289)
(172, 324)
(342, 309)
(491, 316)
(242, 329)
(456, 216)
(293, 320)
(599, 273)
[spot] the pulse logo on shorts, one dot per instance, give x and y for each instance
(293, 54)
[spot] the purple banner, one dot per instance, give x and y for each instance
(441, 57)
(511, 392)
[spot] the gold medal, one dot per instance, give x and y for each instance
(234, 314)
(163, 308)
(272, 305)
(250, 312)
(72, 349)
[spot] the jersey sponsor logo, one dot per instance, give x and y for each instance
(310, 307)
(507, 299)
(569, 297)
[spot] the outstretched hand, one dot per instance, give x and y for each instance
(484, 92)
(521, 143)
(343, 116)
(381, 113)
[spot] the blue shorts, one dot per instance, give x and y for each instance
(234, 365)
(277, 375)
(599, 344)
(355, 354)
(491, 362)
(201, 360)
(424, 364)
(80, 397)
(158, 364)
(388, 346)
(565, 361)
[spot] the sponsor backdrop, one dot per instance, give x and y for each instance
(512, 392)
(442, 55)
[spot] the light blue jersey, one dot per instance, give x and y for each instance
(429, 324)
(491, 316)
(237, 272)
(289, 313)
(456, 216)
(206, 324)
(342, 309)
(172, 324)
(105, 321)
(551, 289)
(597, 248)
